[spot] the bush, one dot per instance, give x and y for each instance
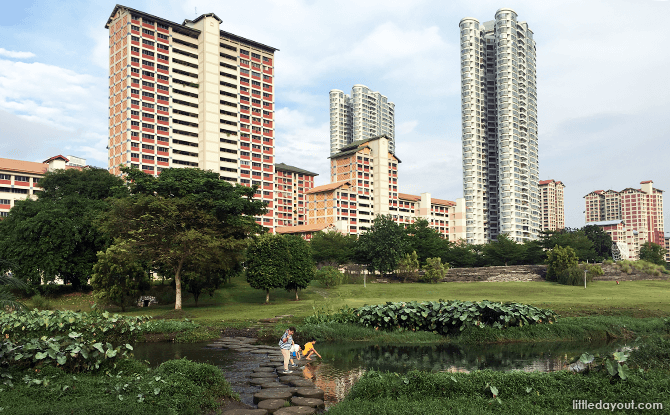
(559, 260)
(329, 276)
(434, 270)
(594, 270)
(574, 276)
(40, 302)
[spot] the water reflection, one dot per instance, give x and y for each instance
(344, 363)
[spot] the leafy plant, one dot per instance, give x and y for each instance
(329, 276)
(613, 365)
(434, 270)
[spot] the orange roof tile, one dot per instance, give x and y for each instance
(330, 186)
(56, 158)
(546, 181)
(22, 166)
(442, 202)
(647, 181)
(302, 228)
(407, 196)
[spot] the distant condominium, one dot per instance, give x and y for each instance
(637, 214)
(359, 116)
(191, 95)
(499, 121)
(553, 205)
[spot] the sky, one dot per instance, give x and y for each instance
(602, 80)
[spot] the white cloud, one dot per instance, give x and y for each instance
(16, 55)
(405, 127)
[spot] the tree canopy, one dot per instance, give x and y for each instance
(299, 264)
(184, 218)
(55, 235)
(653, 253)
(383, 245)
(425, 241)
(332, 248)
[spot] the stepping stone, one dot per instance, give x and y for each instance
(264, 369)
(261, 381)
(295, 410)
(271, 405)
(311, 402)
(267, 364)
(312, 392)
(274, 393)
(273, 385)
(259, 351)
(294, 371)
(263, 375)
(302, 383)
(289, 379)
(246, 412)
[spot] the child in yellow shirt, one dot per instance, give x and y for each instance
(309, 350)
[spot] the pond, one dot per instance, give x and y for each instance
(344, 363)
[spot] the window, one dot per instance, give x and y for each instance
(256, 74)
(256, 83)
(134, 38)
(161, 108)
(148, 84)
(135, 123)
(147, 115)
(164, 57)
(135, 155)
(149, 126)
(255, 65)
(134, 145)
(148, 63)
(256, 101)
(137, 113)
(244, 52)
(148, 32)
(133, 27)
(244, 61)
(246, 80)
(244, 71)
(147, 94)
(266, 95)
(266, 59)
(162, 36)
(5, 177)
(160, 128)
(255, 55)
(147, 147)
(163, 88)
(160, 118)
(147, 157)
(147, 42)
(162, 26)
(162, 46)
(146, 52)
(163, 98)
(134, 49)
(162, 159)
(135, 70)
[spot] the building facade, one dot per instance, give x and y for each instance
(626, 240)
(499, 128)
(364, 185)
(552, 204)
(19, 180)
(359, 116)
(290, 204)
(191, 95)
(640, 209)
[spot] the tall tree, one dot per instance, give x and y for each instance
(460, 254)
(425, 241)
(533, 253)
(408, 266)
(574, 238)
(504, 251)
(332, 248)
(382, 246)
(602, 242)
(55, 236)
(300, 265)
(653, 253)
(266, 263)
(559, 260)
(184, 218)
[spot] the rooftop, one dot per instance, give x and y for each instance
(329, 186)
(302, 228)
(293, 169)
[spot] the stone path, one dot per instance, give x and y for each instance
(261, 377)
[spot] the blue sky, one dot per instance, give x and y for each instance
(603, 89)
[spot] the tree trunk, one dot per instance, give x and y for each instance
(296, 295)
(177, 286)
(267, 296)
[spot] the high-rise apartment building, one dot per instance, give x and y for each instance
(291, 184)
(191, 95)
(640, 209)
(499, 120)
(553, 205)
(359, 116)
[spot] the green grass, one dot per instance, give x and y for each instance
(175, 387)
(519, 392)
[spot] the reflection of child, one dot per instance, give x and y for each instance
(310, 350)
(295, 353)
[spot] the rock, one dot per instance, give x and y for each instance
(261, 381)
(273, 385)
(312, 392)
(263, 369)
(274, 393)
(271, 405)
(259, 351)
(246, 412)
(301, 383)
(290, 378)
(267, 364)
(311, 402)
(295, 410)
(263, 375)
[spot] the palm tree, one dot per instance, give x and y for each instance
(7, 299)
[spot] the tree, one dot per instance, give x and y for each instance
(266, 263)
(382, 246)
(332, 248)
(460, 254)
(653, 253)
(119, 277)
(434, 270)
(533, 253)
(574, 238)
(55, 236)
(8, 300)
(425, 240)
(409, 266)
(300, 265)
(503, 251)
(559, 260)
(182, 219)
(602, 242)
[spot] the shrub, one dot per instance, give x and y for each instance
(574, 276)
(560, 259)
(608, 262)
(40, 302)
(409, 267)
(594, 270)
(435, 270)
(329, 276)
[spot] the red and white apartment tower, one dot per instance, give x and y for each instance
(191, 95)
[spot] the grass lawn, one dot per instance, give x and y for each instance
(238, 302)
